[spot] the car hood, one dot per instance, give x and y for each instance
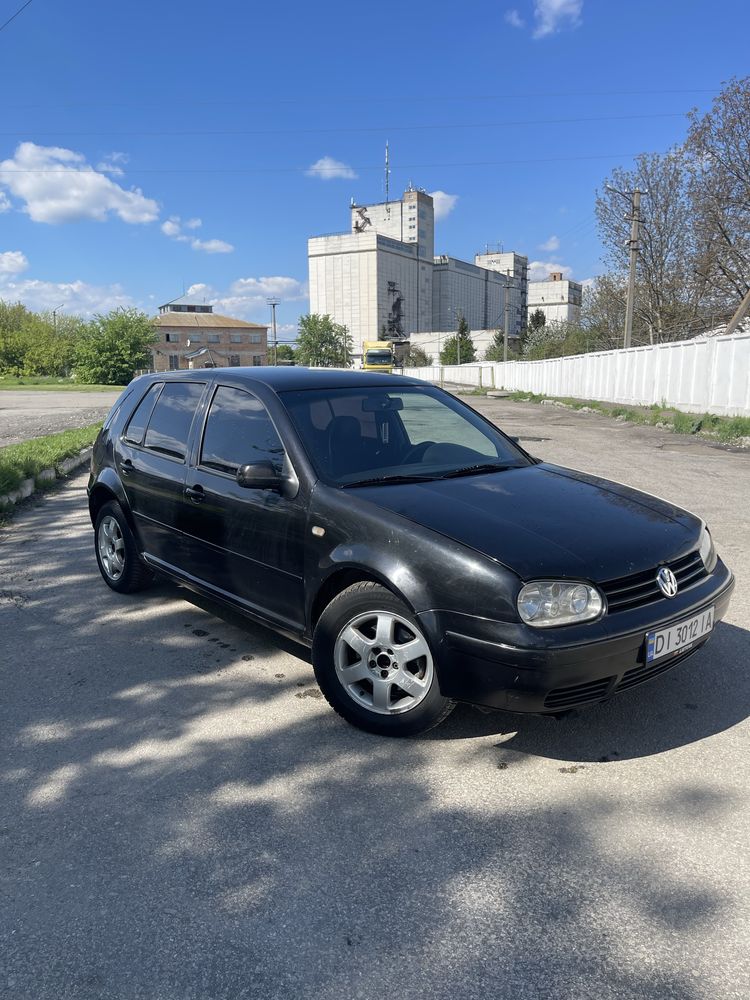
(546, 521)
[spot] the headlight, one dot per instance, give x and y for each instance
(707, 550)
(547, 603)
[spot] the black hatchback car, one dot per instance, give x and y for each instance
(422, 553)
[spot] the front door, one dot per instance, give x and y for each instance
(247, 544)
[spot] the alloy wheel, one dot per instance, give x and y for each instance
(111, 547)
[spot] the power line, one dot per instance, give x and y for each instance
(337, 99)
(14, 16)
(346, 130)
(296, 169)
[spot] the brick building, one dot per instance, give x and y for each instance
(192, 335)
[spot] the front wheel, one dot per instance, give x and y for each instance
(374, 664)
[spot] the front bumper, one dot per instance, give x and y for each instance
(518, 669)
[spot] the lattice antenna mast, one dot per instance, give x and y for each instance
(387, 174)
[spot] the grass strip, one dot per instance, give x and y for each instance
(27, 459)
(727, 430)
(45, 382)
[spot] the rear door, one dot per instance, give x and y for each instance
(151, 460)
(247, 544)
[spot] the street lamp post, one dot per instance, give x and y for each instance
(273, 303)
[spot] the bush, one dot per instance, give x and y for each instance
(113, 347)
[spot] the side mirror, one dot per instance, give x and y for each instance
(259, 476)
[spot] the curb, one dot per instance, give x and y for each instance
(63, 469)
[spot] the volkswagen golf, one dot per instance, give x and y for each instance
(423, 555)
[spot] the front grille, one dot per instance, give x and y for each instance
(578, 694)
(631, 678)
(640, 589)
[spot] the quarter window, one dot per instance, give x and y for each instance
(137, 424)
(239, 432)
(169, 426)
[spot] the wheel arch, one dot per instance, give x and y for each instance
(338, 581)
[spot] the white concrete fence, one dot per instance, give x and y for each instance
(698, 376)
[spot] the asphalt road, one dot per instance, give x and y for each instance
(33, 414)
(182, 817)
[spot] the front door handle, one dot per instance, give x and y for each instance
(127, 467)
(195, 493)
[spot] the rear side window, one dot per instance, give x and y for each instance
(239, 432)
(169, 426)
(139, 421)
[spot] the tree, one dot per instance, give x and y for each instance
(113, 347)
(556, 339)
(285, 352)
(323, 343)
(718, 157)
(36, 344)
(672, 296)
(537, 319)
(459, 349)
(417, 357)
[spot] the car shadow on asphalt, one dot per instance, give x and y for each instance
(700, 697)
(178, 820)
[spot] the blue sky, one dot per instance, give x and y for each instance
(146, 147)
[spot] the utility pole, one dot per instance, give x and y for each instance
(739, 315)
(507, 316)
(635, 222)
(54, 316)
(273, 303)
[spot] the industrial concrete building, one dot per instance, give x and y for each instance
(192, 335)
(558, 298)
(382, 279)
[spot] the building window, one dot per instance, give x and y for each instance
(195, 337)
(234, 361)
(257, 359)
(255, 338)
(174, 362)
(172, 338)
(214, 338)
(235, 338)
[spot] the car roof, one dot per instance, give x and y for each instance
(292, 377)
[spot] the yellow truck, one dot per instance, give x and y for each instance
(378, 356)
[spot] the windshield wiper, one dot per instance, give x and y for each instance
(471, 470)
(378, 480)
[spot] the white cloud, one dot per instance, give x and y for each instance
(77, 296)
(212, 246)
(540, 270)
(113, 163)
(13, 262)
(328, 169)
(550, 245)
(4, 203)
(173, 229)
(443, 203)
(246, 298)
(56, 185)
(514, 19)
(551, 16)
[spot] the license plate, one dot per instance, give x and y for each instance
(680, 637)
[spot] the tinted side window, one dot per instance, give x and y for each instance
(139, 421)
(169, 426)
(239, 432)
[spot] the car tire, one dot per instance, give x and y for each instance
(117, 553)
(366, 645)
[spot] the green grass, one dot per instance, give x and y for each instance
(27, 459)
(48, 382)
(728, 430)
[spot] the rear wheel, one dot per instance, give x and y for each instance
(117, 552)
(374, 664)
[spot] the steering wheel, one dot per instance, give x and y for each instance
(416, 452)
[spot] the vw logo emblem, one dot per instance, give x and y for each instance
(667, 581)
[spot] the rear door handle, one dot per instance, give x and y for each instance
(126, 467)
(195, 493)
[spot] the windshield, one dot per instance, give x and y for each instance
(383, 357)
(386, 434)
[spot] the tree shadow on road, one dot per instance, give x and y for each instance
(183, 818)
